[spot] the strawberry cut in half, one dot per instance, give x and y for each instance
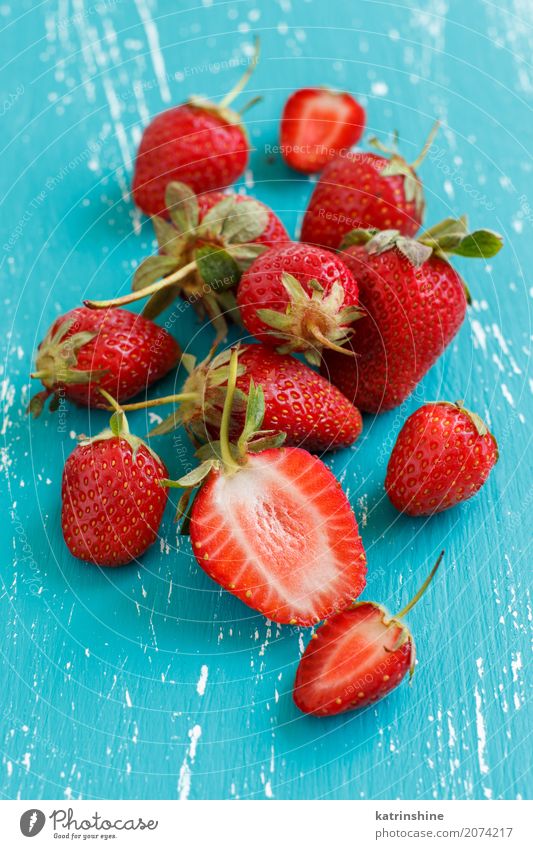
(356, 658)
(317, 125)
(272, 525)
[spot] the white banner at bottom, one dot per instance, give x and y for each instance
(236, 824)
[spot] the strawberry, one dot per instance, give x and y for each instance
(199, 143)
(115, 350)
(300, 298)
(415, 303)
(365, 190)
(113, 503)
(203, 250)
(272, 525)
(443, 455)
(317, 125)
(298, 401)
(356, 658)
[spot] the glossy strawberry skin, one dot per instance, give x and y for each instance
(412, 316)
(134, 351)
(112, 504)
(353, 661)
(191, 145)
(274, 231)
(260, 286)
(351, 194)
(439, 460)
(280, 535)
(298, 401)
(316, 125)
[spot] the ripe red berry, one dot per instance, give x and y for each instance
(414, 303)
(356, 658)
(443, 455)
(300, 298)
(112, 501)
(199, 143)
(116, 350)
(317, 125)
(364, 190)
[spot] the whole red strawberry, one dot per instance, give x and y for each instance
(365, 190)
(300, 298)
(317, 125)
(199, 143)
(113, 502)
(298, 401)
(85, 351)
(414, 304)
(203, 250)
(272, 525)
(443, 455)
(356, 658)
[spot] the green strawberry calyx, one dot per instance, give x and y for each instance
(396, 621)
(118, 429)
(201, 261)
(56, 361)
(479, 425)
(311, 322)
(223, 455)
(449, 237)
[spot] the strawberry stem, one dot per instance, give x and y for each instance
(231, 95)
(422, 589)
(144, 293)
(166, 399)
(326, 343)
(225, 451)
(425, 150)
(119, 422)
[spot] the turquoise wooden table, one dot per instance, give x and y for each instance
(148, 681)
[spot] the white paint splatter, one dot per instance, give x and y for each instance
(202, 681)
(184, 781)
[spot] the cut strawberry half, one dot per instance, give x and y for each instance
(272, 525)
(318, 124)
(356, 658)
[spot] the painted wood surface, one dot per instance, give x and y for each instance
(148, 681)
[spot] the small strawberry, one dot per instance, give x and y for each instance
(200, 143)
(203, 250)
(113, 502)
(272, 525)
(356, 658)
(414, 303)
(115, 350)
(317, 125)
(298, 401)
(365, 190)
(443, 455)
(300, 298)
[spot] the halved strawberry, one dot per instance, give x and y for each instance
(272, 525)
(317, 125)
(356, 658)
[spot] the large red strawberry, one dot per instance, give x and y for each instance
(317, 125)
(414, 303)
(113, 502)
(272, 525)
(299, 298)
(298, 401)
(200, 143)
(365, 190)
(356, 658)
(116, 350)
(443, 455)
(203, 250)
